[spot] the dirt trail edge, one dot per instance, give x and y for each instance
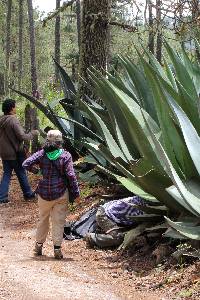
(23, 276)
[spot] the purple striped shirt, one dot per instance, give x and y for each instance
(120, 211)
(52, 185)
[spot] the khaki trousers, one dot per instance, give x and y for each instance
(57, 210)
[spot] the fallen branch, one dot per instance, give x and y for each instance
(126, 27)
(57, 11)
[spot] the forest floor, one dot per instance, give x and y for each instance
(84, 273)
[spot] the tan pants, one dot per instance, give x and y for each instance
(57, 210)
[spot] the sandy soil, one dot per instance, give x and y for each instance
(23, 276)
(83, 274)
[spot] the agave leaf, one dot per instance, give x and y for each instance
(172, 233)
(188, 201)
(193, 70)
(191, 232)
(181, 96)
(106, 154)
(189, 132)
(173, 142)
(157, 227)
(118, 123)
(130, 118)
(129, 184)
(61, 126)
(189, 105)
(83, 128)
(146, 218)
(156, 65)
(68, 107)
(170, 75)
(55, 102)
(153, 183)
(141, 167)
(123, 145)
(138, 79)
(65, 125)
(193, 186)
(37, 103)
(67, 84)
(104, 115)
(158, 210)
(112, 145)
(122, 86)
(181, 71)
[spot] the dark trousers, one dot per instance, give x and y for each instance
(8, 167)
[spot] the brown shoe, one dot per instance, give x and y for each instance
(58, 254)
(38, 249)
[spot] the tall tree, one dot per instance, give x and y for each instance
(8, 44)
(32, 48)
(195, 6)
(94, 48)
(78, 21)
(57, 40)
(33, 120)
(20, 53)
(159, 31)
(151, 27)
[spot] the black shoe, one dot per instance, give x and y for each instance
(4, 200)
(30, 198)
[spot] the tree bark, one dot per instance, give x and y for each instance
(20, 57)
(78, 22)
(57, 41)
(159, 31)
(8, 44)
(151, 28)
(32, 48)
(195, 15)
(33, 120)
(94, 40)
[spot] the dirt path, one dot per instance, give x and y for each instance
(76, 277)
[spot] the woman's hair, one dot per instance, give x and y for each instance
(7, 106)
(54, 141)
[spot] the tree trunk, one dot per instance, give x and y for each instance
(78, 22)
(34, 121)
(57, 41)
(195, 21)
(159, 31)
(20, 57)
(151, 28)
(8, 45)
(1, 84)
(32, 48)
(94, 40)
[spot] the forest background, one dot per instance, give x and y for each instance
(139, 122)
(141, 23)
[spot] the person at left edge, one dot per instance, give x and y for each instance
(12, 136)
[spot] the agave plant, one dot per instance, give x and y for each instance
(147, 137)
(153, 136)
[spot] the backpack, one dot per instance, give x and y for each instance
(79, 229)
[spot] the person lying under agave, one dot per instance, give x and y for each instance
(113, 219)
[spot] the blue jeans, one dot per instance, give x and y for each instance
(8, 167)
